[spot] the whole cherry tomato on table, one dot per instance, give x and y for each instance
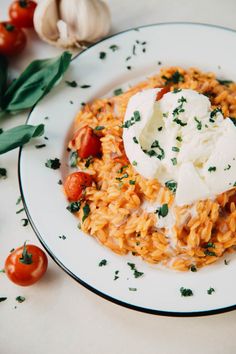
(26, 265)
(22, 13)
(12, 39)
(75, 184)
(86, 142)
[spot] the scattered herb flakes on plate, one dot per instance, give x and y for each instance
(20, 299)
(136, 273)
(132, 289)
(3, 173)
(62, 237)
(53, 163)
(24, 222)
(102, 263)
(102, 55)
(74, 207)
(185, 292)
(3, 298)
(210, 291)
(71, 83)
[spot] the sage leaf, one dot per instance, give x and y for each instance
(18, 136)
(3, 77)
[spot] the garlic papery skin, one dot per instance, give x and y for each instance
(72, 23)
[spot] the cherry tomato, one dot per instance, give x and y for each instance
(87, 142)
(162, 92)
(26, 265)
(75, 184)
(12, 39)
(22, 13)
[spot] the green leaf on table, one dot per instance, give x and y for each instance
(35, 82)
(18, 136)
(3, 76)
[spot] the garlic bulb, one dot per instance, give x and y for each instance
(73, 23)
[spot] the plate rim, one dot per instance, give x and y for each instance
(53, 256)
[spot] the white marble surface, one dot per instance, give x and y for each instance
(59, 315)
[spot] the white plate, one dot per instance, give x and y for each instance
(206, 47)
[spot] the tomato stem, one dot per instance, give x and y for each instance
(23, 3)
(26, 257)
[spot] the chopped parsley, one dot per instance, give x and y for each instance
(53, 163)
(116, 275)
(62, 237)
(159, 63)
(199, 124)
(162, 211)
(85, 86)
(3, 299)
(124, 176)
(185, 292)
(160, 129)
(176, 90)
(175, 148)
(131, 181)
(102, 263)
(102, 55)
(214, 113)
(209, 245)
(114, 47)
(88, 162)
(132, 289)
(128, 58)
(74, 207)
(72, 83)
(118, 92)
(73, 158)
(178, 121)
(136, 273)
(135, 140)
(122, 169)
(86, 211)
(20, 299)
(225, 82)
(40, 146)
(19, 200)
(193, 268)
(212, 169)
(210, 291)
(175, 78)
(128, 67)
(156, 144)
(226, 262)
(59, 182)
(171, 185)
(209, 253)
(179, 138)
(135, 118)
(227, 168)
(20, 211)
(134, 49)
(99, 127)
(174, 161)
(3, 173)
(25, 222)
(134, 163)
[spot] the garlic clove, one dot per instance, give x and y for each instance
(74, 24)
(45, 20)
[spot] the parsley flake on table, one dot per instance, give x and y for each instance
(62, 237)
(185, 292)
(118, 92)
(114, 47)
(40, 146)
(132, 289)
(134, 163)
(71, 83)
(174, 161)
(20, 299)
(53, 163)
(116, 275)
(193, 268)
(25, 222)
(226, 262)
(227, 168)
(175, 148)
(199, 124)
(3, 298)
(85, 86)
(102, 263)
(212, 169)
(128, 67)
(210, 291)
(135, 140)
(3, 173)
(20, 211)
(19, 200)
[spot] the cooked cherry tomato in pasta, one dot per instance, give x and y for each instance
(75, 184)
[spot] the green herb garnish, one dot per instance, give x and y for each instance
(227, 168)
(199, 124)
(132, 182)
(3, 173)
(88, 162)
(25, 222)
(226, 262)
(134, 163)
(185, 292)
(174, 161)
(63, 237)
(118, 92)
(122, 169)
(136, 273)
(162, 211)
(193, 268)
(3, 299)
(124, 176)
(156, 144)
(20, 211)
(175, 148)
(175, 78)
(171, 185)
(210, 291)
(19, 200)
(135, 140)
(40, 146)
(102, 55)
(20, 299)
(132, 289)
(209, 253)
(73, 158)
(85, 86)
(179, 138)
(71, 83)
(178, 121)
(135, 118)
(114, 47)
(212, 169)
(102, 263)
(74, 207)
(86, 211)
(225, 82)
(53, 163)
